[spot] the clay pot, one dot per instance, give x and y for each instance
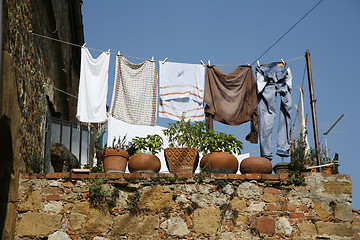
(114, 160)
(144, 163)
(282, 167)
(220, 162)
(181, 160)
(256, 165)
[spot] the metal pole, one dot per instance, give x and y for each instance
(326, 133)
(313, 110)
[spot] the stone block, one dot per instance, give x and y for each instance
(51, 190)
(242, 220)
(343, 211)
(307, 229)
(77, 221)
(85, 218)
(155, 197)
(264, 225)
(334, 229)
(256, 207)
(131, 224)
(321, 212)
(283, 226)
(337, 188)
(238, 204)
(32, 201)
(206, 220)
(38, 224)
(271, 190)
(59, 235)
(271, 198)
(175, 227)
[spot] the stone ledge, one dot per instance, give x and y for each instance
(121, 177)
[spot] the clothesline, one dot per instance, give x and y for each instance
(94, 49)
(47, 85)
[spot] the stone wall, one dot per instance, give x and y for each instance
(164, 206)
(29, 62)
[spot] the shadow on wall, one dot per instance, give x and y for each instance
(6, 167)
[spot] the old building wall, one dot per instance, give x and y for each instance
(163, 206)
(29, 62)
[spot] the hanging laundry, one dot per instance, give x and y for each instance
(301, 124)
(181, 91)
(231, 98)
(93, 87)
(273, 79)
(135, 94)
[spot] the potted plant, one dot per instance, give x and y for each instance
(115, 158)
(182, 155)
(217, 148)
(143, 150)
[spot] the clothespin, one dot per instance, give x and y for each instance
(258, 64)
(164, 60)
(108, 51)
(84, 45)
(248, 64)
(152, 58)
(202, 63)
(282, 60)
(209, 62)
(118, 53)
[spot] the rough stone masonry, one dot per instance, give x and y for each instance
(161, 206)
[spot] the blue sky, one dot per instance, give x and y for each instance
(237, 32)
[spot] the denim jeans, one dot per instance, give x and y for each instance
(278, 81)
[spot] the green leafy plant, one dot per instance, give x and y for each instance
(185, 133)
(121, 143)
(98, 194)
(214, 141)
(151, 144)
(299, 159)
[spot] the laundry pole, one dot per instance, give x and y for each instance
(313, 110)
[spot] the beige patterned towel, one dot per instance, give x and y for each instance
(135, 94)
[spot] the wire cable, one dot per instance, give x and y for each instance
(77, 45)
(287, 32)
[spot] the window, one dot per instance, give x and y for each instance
(78, 138)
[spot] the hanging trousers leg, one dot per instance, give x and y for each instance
(283, 142)
(267, 114)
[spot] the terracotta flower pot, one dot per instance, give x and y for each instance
(181, 160)
(220, 162)
(114, 160)
(256, 165)
(144, 163)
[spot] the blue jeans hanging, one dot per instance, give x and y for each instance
(278, 81)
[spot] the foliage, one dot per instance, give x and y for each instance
(214, 141)
(184, 133)
(120, 143)
(151, 144)
(35, 163)
(98, 194)
(323, 158)
(299, 160)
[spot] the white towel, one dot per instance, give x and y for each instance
(301, 125)
(93, 87)
(181, 90)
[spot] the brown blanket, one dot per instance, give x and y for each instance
(231, 98)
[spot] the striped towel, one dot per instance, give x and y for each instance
(181, 91)
(135, 94)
